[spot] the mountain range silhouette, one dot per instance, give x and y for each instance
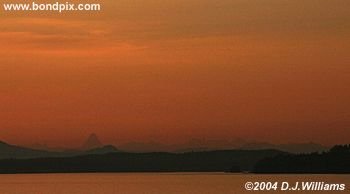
(91, 146)
(107, 158)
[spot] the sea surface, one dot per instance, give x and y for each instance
(153, 183)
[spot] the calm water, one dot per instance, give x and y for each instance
(149, 183)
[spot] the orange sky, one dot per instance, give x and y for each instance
(172, 70)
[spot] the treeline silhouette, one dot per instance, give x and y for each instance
(336, 160)
(209, 161)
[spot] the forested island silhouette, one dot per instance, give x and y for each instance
(336, 160)
(96, 157)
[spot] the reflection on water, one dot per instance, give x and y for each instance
(149, 183)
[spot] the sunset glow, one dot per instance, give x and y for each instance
(169, 71)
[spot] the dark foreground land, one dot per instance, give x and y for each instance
(209, 161)
(335, 161)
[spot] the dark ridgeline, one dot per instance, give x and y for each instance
(17, 152)
(99, 158)
(294, 148)
(91, 146)
(12, 151)
(210, 161)
(336, 161)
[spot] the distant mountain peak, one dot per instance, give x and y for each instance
(92, 142)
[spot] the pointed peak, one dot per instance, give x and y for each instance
(93, 135)
(92, 142)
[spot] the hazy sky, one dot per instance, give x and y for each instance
(172, 70)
